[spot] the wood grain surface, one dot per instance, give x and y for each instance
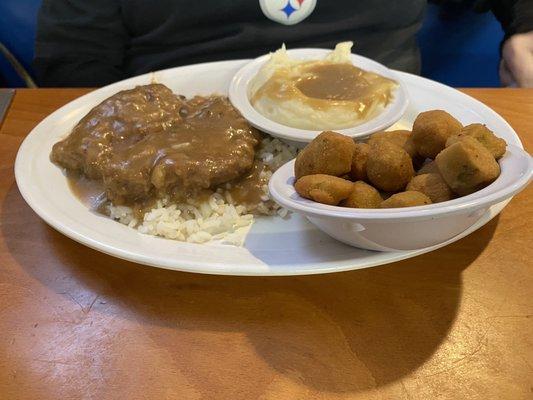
(77, 324)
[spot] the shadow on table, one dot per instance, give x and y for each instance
(342, 332)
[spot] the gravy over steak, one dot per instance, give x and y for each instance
(148, 143)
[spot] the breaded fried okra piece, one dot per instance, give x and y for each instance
(324, 189)
(362, 196)
(467, 166)
(389, 167)
(429, 168)
(360, 156)
(431, 129)
(432, 185)
(406, 199)
(329, 153)
(483, 135)
(402, 138)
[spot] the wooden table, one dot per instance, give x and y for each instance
(76, 324)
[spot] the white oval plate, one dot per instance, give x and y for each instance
(238, 94)
(274, 246)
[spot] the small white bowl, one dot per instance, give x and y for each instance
(406, 228)
(238, 95)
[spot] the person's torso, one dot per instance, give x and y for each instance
(177, 32)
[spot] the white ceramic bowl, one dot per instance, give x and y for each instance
(406, 228)
(238, 94)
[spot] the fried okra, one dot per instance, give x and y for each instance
(406, 199)
(467, 166)
(360, 156)
(431, 129)
(324, 189)
(401, 138)
(362, 196)
(389, 167)
(432, 185)
(329, 153)
(335, 170)
(483, 135)
(429, 168)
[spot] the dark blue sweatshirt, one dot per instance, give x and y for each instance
(96, 42)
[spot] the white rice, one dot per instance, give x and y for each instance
(216, 219)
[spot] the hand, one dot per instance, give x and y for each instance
(516, 65)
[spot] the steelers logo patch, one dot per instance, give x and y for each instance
(287, 12)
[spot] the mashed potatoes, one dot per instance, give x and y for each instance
(320, 94)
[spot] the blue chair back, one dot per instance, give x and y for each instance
(461, 50)
(18, 21)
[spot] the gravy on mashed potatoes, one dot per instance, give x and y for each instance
(320, 94)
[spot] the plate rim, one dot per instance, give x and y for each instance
(215, 268)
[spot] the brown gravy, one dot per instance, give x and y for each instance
(147, 143)
(325, 86)
(90, 192)
(341, 82)
(249, 189)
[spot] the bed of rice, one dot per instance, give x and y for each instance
(216, 219)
